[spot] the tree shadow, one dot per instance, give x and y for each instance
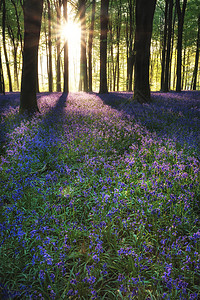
(10, 118)
(170, 115)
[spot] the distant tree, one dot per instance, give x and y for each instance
(58, 5)
(83, 84)
(130, 30)
(181, 14)
(103, 45)
(144, 24)
(166, 83)
(50, 73)
(194, 78)
(32, 25)
(66, 58)
(115, 28)
(90, 43)
(2, 86)
(4, 44)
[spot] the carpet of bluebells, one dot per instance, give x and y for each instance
(99, 197)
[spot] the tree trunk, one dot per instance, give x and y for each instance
(144, 25)
(194, 81)
(112, 62)
(4, 45)
(90, 43)
(2, 86)
(83, 85)
(58, 76)
(130, 45)
(181, 14)
(163, 62)
(50, 73)
(32, 24)
(118, 29)
(166, 85)
(103, 46)
(66, 58)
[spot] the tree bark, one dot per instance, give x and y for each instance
(2, 85)
(4, 45)
(66, 57)
(194, 79)
(50, 73)
(83, 84)
(58, 5)
(32, 25)
(118, 30)
(166, 85)
(163, 62)
(144, 24)
(90, 43)
(103, 46)
(181, 14)
(130, 45)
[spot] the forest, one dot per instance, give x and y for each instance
(99, 149)
(174, 46)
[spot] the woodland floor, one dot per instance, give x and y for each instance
(99, 197)
(173, 115)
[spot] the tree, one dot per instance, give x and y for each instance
(166, 84)
(66, 58)
(32, 25)
(90, 42)
(4, 44)
(181, 14)
(144, 24)
(50, 75)
(130, 29)
(58, 5)
(194, 78)
(2, 86)
(103, 45)
(83, 84)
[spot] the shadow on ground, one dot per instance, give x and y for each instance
(171, 115)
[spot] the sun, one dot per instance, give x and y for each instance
(71, 32)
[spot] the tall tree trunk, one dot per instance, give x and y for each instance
(194, 79)
(130, 44)
(103, 46)
(183, 69)
(163, 62)
(118, 30)
(166, 85)
(50, 73)
(58, 76)
(83, 85)
(112, 61)
(144, 24)
(90, 43)
(2, 85)
(32, 24)
(66, 58)
(4, 45)
(181, 14)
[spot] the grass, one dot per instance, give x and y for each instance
(96, 205)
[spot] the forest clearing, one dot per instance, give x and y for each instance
(100, 198)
